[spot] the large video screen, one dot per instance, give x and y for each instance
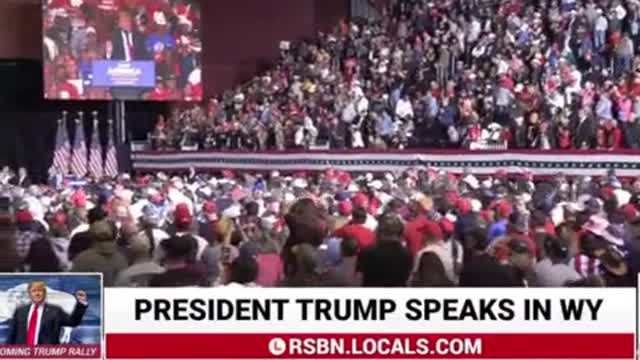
(122, 50)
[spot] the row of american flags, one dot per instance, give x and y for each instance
(73, 158)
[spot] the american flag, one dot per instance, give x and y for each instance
(111, 160)
(95, 153)
(79, 157)
(62, 151)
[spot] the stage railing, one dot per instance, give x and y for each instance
(550, 162)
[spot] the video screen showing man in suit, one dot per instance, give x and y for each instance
(41, 323)
(116, 49)
(128, 43)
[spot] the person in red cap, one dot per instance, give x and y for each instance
(183, 223)
(356, 229)
(412, 233)
(361, 200)
(207, 222)
(345, 210)
(434, 243)
(27, 232)
(503, 210)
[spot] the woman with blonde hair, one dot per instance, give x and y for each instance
(217, 257)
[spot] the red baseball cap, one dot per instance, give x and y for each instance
(504, 208)
(464, 206)
(345, 208)
(23, 217)
(361, 200)
(209, 207)
(182, 214)
(447, 226)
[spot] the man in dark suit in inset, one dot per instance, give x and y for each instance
(128, 44)
(40, 323)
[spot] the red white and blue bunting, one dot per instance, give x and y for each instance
(539, 163)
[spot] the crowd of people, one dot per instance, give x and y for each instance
(422, 227)
(535, 74)
(529, 74)
(77, 33)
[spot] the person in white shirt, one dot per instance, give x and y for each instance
(404, 108)
(552, 270)
(600, 31)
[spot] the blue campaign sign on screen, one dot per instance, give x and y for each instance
(61, 291)
(136, 74)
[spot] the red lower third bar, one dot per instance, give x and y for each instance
(371, 346)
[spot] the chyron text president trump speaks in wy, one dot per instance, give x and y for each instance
(40, 323)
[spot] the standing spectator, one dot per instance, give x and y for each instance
(412, 233)
(430, 272)
(142, 266)
(244, 271)
(180, 271)
(183, 222)
(219, 254)
(346, 272)
(103, 255)
(267, 255)
(27, 233)
(307, 269)
(433, 242)
(483, 270)
(552, 270)
(386, 264)
(83, 240)
(357, 230)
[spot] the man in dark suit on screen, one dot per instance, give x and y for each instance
(128, 44)
(40, 323)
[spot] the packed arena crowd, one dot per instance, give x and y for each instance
(420, 227)
(523, 74)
